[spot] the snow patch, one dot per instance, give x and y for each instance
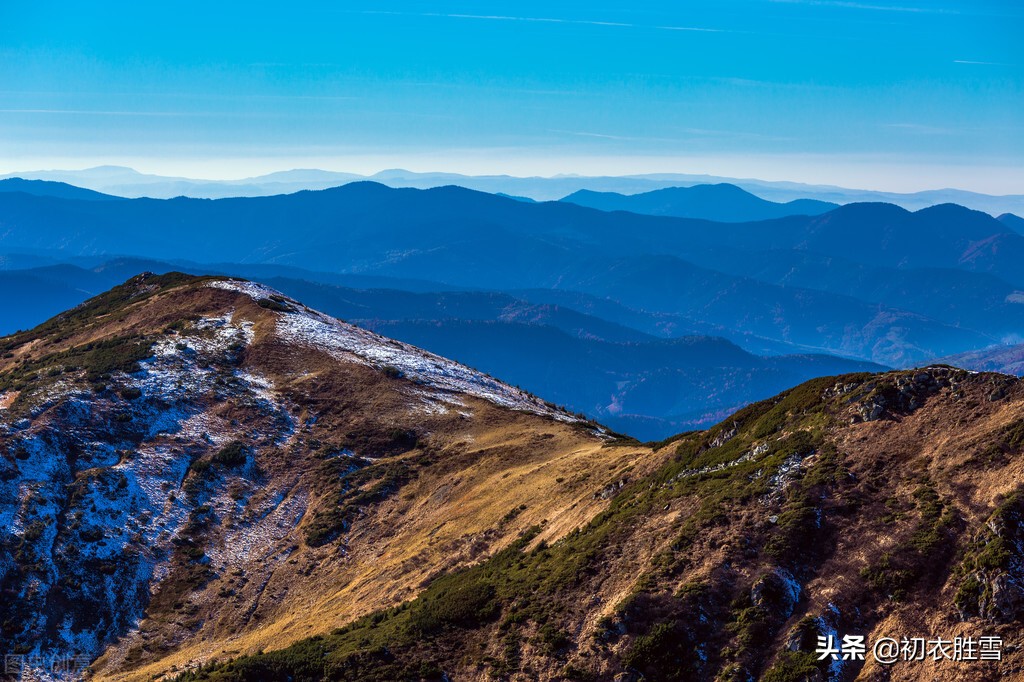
(348, 343)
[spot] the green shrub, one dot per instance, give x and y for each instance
(664, 653)
(231, 456)
(795, 666)
(463, 601)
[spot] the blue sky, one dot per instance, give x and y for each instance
(903, 95)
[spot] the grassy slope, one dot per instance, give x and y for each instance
(671, 561)
(684, 576)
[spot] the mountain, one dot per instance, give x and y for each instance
(1007, 359)
(127, 182)
(645, 389)
(471, 240)
(171, 445)
(640, 384)
(204, 478)
(1015, 223)
(723, 203)
(45, 188)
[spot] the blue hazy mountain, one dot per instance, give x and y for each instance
(127, 182)
(638, 383)
(369, 227)
(47, 188)
(691, 269)
(722, 203)
(1014, 222)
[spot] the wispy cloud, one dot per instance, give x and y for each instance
(867, 6)
(693, 28)
(547, 20)
(920, 128)
(977, 63)
(606, 136)
(689, 133)
(95, 112)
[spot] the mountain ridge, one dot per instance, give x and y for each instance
(134, 184)
(721, 203)
(472, 240)
(244, 473)
(176, 412)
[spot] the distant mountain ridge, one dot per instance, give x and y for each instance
(721, 203)
(127, 182)
(50, 188)
(637, 383)
(469, 239)
(613, 292)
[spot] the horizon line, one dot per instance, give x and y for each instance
(357, 176)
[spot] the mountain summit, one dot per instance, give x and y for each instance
(191, 460)
(202, 477)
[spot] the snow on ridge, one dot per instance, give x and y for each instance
(349, 343)
(253, 290)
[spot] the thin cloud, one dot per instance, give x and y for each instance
(692, 28)
(605, 136)
(976, 63)
(545, 20)
(866, 6)
(692, 132)
(95, 112)
(920, 128)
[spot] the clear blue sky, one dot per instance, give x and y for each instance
(900, 95)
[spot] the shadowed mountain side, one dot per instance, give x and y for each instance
(972, 300)
(1004, 359)
(827, 322)
(722, 203)
(1014, 222)
(944, 236)
(474, 240)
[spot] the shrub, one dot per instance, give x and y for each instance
(464, 601)
(231, 456)
(794, 666)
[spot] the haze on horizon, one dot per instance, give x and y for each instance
(897, 96)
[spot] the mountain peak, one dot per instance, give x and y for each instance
(300, 326)
(178, 434)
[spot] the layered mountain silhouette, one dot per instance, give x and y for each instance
(205, 479)
(722, 203)
(127, 182)
(866, 282)
(639, 383)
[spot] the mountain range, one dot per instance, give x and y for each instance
(638, 382)
(615, 291)
(127, 182)
(205, 479)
